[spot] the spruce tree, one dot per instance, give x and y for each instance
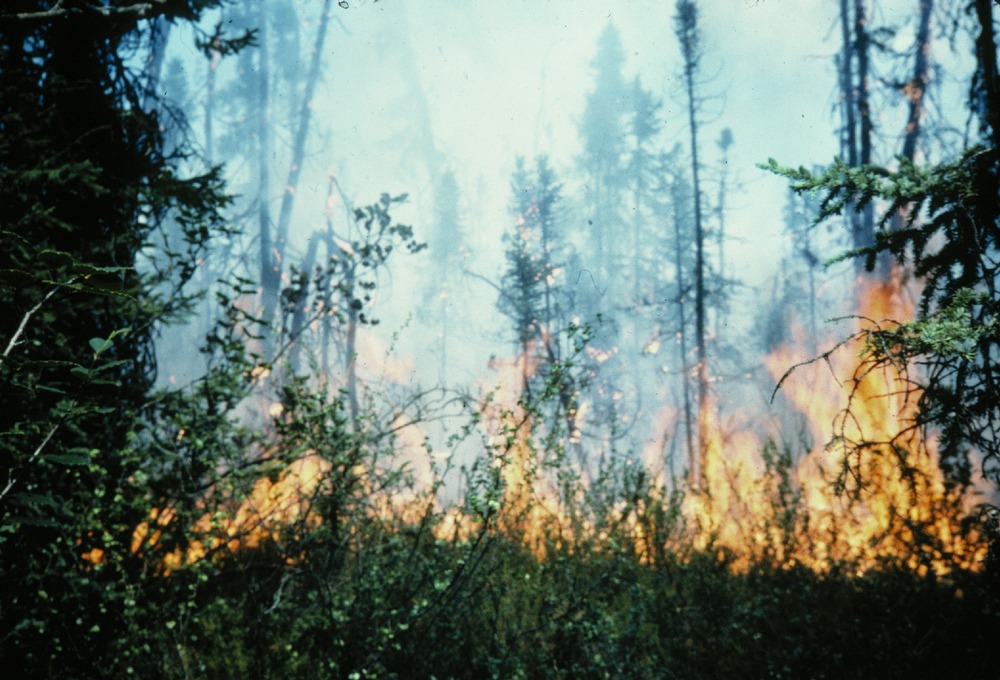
(91, 194)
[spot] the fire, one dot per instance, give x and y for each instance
(895, 506)
(751, 504)
(529, 508)
(267, 509)
(891, 505)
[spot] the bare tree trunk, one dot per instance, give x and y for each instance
(301, 133)
(914, 91)
(154, 62)
(921, 77)
(692, 456)
(273, 247)
(987, 79)
(301, 305)
(687, 32)
(849, 133)
(270, 268)
(864, 235)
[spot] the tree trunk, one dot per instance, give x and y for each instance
(914, 91)
(270, 273)
(916, 88)
(864, 234)
(301, 134)
(692, 457)
(986, 89)
(689, 48)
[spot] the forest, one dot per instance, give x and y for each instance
(383, 339)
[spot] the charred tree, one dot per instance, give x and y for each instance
(855, 96)
(686, 26)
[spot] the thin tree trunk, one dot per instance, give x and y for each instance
(301, 133)
(849, 134)
(699, 277)
(692, 457)
(154, 62)
(865, 235)
(687, 34)
(301, 305)
(915, 90)
(270, 274)
(987, 78)
(921, 77)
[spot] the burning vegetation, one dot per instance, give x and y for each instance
(632, 485)
(870, 493)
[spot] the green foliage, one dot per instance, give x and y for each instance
(123, 552)
(88, 190)
(949, 239)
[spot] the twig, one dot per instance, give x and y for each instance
(24, 322)
(58, 10)
(11, 479)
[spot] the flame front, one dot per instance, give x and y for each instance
(872, 488)
(869, 494)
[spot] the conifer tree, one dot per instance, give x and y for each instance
(686, 27)
(603, 132)
(91, 192)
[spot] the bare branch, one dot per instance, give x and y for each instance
(14, 341)
(11, 479)
(59, 10)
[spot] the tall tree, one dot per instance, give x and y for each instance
(643, 128)
(523, 288)
(602, 130)
(674, 207)
(87, 185)
(686, 28)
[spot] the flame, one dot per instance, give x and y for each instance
(527, 508)
(895, 506)
(892, 505)
(748, 506)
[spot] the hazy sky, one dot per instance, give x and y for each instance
(502, 78)
(508, 77)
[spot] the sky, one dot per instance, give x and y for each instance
(503, 78)
(510, 77)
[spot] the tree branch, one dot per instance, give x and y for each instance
(59, 10)
(14, 341)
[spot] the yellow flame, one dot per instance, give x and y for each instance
(897, 510)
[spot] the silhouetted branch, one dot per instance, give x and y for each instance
(60, 10)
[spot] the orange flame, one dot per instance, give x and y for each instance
(894, 507)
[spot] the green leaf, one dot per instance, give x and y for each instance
(80, 372)
(99, 344)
